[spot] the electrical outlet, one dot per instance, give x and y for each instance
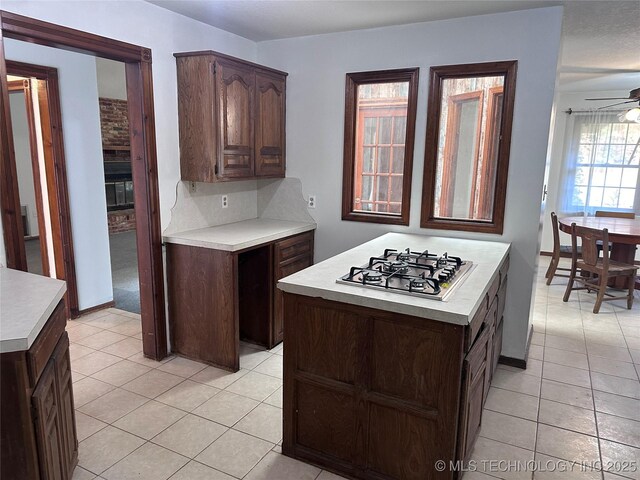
(192, 187)
(225, 201)
(311, 203)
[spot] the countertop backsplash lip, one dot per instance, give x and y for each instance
(319, 280)
(26, 303)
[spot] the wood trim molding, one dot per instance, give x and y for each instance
(518, 362)
(96, 308)
(143, 154)
(437, 74)
(353, 80)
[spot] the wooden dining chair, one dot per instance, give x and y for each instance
(557, 250)
(604, 268)
(607, 213)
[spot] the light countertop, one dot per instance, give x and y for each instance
(26, 303)
(320, 280)
(237, 236)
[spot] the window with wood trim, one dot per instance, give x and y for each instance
(380, 111)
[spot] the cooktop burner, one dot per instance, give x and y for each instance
(421, 274)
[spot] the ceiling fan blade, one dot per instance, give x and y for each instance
(609, 98)
(616, 104)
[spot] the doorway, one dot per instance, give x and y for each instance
(143, 155)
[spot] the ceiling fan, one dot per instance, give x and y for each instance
(634, 96)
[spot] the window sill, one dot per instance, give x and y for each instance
(377, 218)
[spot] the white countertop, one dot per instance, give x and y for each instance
(240, 235)
(26, 303)
(320, 280)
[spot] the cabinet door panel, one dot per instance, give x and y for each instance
(48, 427)
(270, 124)
(236, 119)
(283, 271)
(67, 414)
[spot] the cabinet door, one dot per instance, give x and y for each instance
(490, 323)
(48, 426)
(236, 85)
(270, 124)
(65, 402)
(474, 375)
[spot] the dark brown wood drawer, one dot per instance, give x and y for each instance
(292, 247)
(493, 290)
(502, 297)
(476, 358)
(40, 352)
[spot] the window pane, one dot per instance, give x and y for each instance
(629, 177)
(604, 132)
(587, 134)
(367, 160)
(396, 189)
(595, 196)
(610, 197)
(383, 159)
(384, 132)
(619, 133)
(584, 154)
(627, 197)
(602, 152)
(370, 124)
(613, 177)
(399, 130)
(394, 208)
(632, 155)
(579, 196)
(367, 188)
(634, 133)
(582, 175)
(616, 154)
(366, 207)
(383, 186)
(598, 176)
(398, 160)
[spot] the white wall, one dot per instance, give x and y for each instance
(112, 81)
(315, 121)
(83, 156)
(24, 167)
(562, 130)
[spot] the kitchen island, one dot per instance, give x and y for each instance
(383, 385)
(37, 419)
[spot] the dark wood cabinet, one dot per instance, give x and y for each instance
(373, 394)
(217, 297)
(38, 431)
(231, 116)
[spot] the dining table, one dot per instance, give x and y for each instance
(624, 235)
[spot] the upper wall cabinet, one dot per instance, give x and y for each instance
(231, 116)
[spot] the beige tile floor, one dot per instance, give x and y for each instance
(578, 400)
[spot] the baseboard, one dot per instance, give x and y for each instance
(518, 362)
(95, 308)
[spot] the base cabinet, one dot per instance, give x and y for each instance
(39, 439)
(375, 395)
(217, 298)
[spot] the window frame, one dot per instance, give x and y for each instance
(351, 113)
(508, 69)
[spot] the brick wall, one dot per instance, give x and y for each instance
(114, 122)
(121, 220)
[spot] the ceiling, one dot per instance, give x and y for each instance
(600, 38)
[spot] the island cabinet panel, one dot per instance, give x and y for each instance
(37, 424)
(203, 299)
(364, 388)
(231, 118)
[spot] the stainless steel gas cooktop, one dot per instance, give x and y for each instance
(422, 274)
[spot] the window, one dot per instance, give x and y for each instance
(604, 164)
(380, 111)
(469, 116)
